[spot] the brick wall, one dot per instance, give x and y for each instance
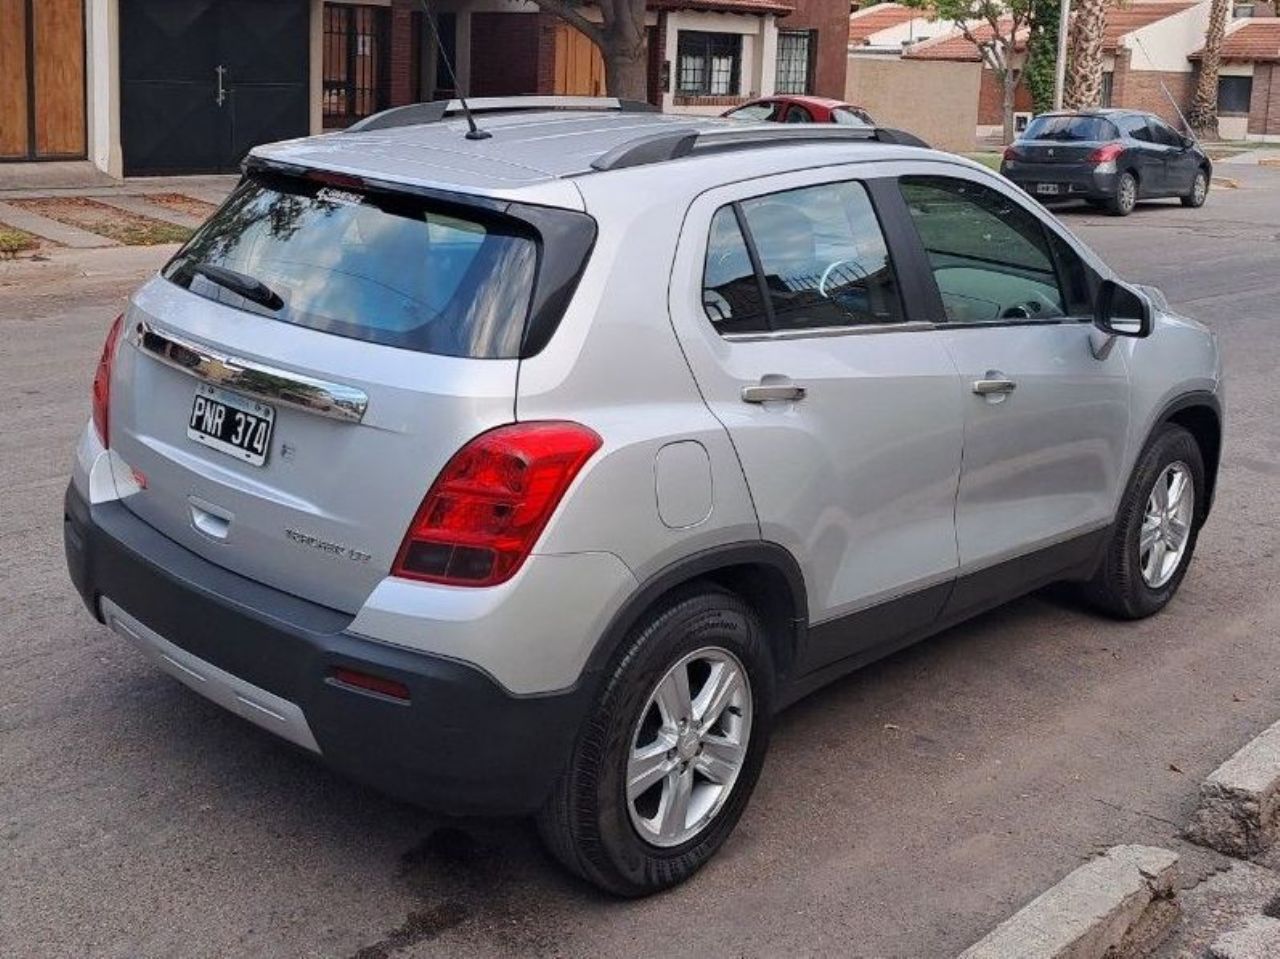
(403, 43)
(991, 99)
(1264, 103)
(830, 18)
(512, 53)
(1142, 90)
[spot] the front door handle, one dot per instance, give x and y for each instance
(994, 386)
(772, 390)
(221, 71)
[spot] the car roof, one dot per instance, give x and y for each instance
(530, 155)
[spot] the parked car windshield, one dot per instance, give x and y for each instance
(384, 268)
(1071, 129)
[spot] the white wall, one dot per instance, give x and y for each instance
(758, 68)
(102, 66)
(1165, 44)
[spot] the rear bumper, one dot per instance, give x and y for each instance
(462, 744)
(1073, 182)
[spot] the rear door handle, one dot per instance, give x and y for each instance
(770, 392)
(994, 386)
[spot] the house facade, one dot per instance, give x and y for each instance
(170, 86)
(1249, 80)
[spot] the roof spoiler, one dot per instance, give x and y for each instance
(434, 111)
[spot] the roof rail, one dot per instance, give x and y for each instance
(683, 141)
(434, 111)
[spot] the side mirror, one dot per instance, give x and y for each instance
(1122, 310)
(1188, 143)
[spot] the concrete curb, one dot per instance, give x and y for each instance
(1240, 801)
(1117, 904)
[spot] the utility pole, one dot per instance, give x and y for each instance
(1060, 73)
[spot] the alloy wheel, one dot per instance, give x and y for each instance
(1166, 524)
(689, 745)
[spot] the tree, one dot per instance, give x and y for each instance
(621, 38)
(1084, 49)
(1204, 106)
(993, 26)
(1039, 74)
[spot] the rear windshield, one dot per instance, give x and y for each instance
(384, 268)
(1070, 129)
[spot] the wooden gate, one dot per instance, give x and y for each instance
(579, 66)
(42, 80)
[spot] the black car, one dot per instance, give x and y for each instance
(1112, 158)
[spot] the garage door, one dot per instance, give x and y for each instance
(203, 81)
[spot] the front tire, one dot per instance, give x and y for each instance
(1199, 191)
(1156, 528)
(1126, 195)
(670, 754)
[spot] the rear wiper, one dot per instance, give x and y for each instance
(241, 283)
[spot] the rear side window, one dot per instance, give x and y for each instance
(384, 268)
(1069, 129)
(817, 253)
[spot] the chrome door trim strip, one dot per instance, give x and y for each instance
(269, 383)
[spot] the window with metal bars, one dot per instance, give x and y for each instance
(356, 78)
(795, 61)
(708, 64)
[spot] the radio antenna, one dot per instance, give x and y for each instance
(473, 131)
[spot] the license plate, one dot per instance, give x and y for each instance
(231, 424)
(1050, 189)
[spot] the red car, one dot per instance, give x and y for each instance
(801, 109)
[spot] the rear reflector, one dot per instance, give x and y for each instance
(374, 684)
(488, 506)
(102, 382)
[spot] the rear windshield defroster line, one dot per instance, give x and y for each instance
(389, 267)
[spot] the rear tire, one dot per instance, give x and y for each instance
(1199, 191)
(618, 838)
(1151, 547)
(1126, 195)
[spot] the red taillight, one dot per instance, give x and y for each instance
(487, 507)
(1011, 153)
(102, 382)
(1106, 154)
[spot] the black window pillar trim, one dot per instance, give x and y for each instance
(916, 285)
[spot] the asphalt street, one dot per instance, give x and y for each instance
(902, 811)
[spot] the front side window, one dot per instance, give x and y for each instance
(798, 114)
(708, 64)
(991, 257)
(1165, 134)
(1135, 128)
(821, 256)
(383, 268)
(795, 61)
(850, 117)
(758, 112)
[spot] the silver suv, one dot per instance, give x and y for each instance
(536, 473)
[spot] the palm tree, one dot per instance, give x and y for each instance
(1204, 107)
(1084, 48)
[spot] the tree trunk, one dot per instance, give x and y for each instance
(1010, 81)
(626, 73)
(1204, 107)
(1084, 50)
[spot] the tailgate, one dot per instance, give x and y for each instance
(324, 514)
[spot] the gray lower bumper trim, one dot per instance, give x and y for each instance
(260, 707)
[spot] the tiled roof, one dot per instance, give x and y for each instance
(1134, 16)
(882, 16)
(956, 46)
(1257, 40)
(725, 6)
(1121, 20)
